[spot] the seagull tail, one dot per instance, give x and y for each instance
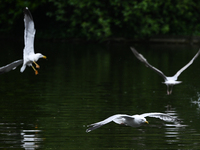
(23, 68)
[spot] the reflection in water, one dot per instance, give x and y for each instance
(173, 131)
(12, 136)
(196, 100)
(31, 139)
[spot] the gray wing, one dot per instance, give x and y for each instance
(101, 123)
(142, 59)
(187, 65)
(161, 116)
(29, 32)
(10, 66)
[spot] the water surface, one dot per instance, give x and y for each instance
(81, 84)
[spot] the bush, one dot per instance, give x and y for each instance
(99, 19)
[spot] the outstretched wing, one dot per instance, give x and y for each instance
(161, 116)
(29, 32)
(101, 123)
(10, 66)
(187, 65)
(142, 59)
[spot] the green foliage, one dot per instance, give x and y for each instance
(11, 10)
(99, 19)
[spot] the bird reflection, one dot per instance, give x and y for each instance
(31, 139)
(196, 100)
(15, 137)
(173, 132)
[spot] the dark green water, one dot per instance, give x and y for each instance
(81, 84)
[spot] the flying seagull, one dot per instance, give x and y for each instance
(133, 121)
(169, 81)
(10, 66)
(29, 55)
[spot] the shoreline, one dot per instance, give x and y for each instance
(158, 40)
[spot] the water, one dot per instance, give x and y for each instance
(81, 84)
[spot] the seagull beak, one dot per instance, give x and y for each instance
(44, 57)
(146, 122)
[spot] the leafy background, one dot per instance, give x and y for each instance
(103, 19)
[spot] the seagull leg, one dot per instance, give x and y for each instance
(171, 89)
(168, 90)
(36, 65)
(36, 72)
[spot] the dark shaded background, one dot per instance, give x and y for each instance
(102, 19)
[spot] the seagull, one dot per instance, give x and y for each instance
(133, 121)
(169, 81)
(10, 66)
(29, 34)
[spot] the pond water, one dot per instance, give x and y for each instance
(80, 84)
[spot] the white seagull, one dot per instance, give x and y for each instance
(10, 66)
(133, 121)
(169, 81)
(29, 55)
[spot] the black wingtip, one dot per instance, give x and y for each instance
(94, 126)
(134, 51)
(176, 120)
(132, 48)
(26, 9)
(88, 130)
(138, 55)
(27, 12)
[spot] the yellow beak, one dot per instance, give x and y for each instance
(44, 57)
(146, 122)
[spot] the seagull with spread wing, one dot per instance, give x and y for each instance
(133, 121)
(29, 55)
(169, 81)
(10, 66)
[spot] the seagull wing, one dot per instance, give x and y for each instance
(161, 116)
(142, 59)
(29, 33)
(101, 123)
(10, 66)
(125, 120)
(187, 65)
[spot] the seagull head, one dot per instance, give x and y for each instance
(39, 55)
(139, 120)
(143, 120)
